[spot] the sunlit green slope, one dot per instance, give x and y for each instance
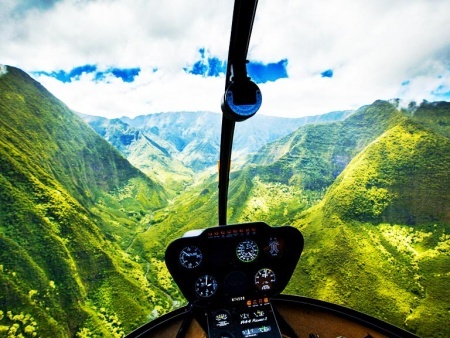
(70, 204)
(378, 242)
(313, 156)
(401, 177)
(394, 272)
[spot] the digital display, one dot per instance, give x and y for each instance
(255, 331)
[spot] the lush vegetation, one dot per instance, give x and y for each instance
(401, 177)
(69, 206)
(83, 233)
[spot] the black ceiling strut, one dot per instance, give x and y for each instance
(242, 97)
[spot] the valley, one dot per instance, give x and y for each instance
(88, 208)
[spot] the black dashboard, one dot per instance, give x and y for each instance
(229, 273)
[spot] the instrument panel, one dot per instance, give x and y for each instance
(251, 259)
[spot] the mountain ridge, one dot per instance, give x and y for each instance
(184, 129)
(180, 145)
(69, 205)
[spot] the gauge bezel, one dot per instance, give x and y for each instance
(184, 253)
(201, 286)
(242, 252)
(224, 321)
(268, 282)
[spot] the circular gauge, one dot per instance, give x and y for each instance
(191, 257)
(222, 318)
(247, 251)
(206, 286)
(264, 279)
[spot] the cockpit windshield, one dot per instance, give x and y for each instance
(226, 162)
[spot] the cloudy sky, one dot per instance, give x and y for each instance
(131, 57)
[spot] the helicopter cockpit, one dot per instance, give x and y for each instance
(233, 275)
(230, 273)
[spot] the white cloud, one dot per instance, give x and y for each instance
(372, 46)
(150, 92)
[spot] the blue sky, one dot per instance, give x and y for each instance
(259, 72)
(126, 74)
(206, 66)
(111, 59)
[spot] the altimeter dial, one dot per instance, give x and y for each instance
(206, 286)
(264, 279)
(191, 257)
(247, 251)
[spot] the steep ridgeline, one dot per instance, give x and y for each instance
(70, 205)
(154, 156)
(192, 138)
(401, 177)
(197, 134)
(409, 156)
(313, 156)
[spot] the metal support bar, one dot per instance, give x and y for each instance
(241, 29)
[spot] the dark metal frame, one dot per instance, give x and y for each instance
(241, 30)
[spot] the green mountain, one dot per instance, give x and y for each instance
(378, 240)
(401, 177)
(173, 148)
(293, 173)
(196, 135)
(193, 138)
(157, 158)
(83, 232)
(312, 157)
(70, 205)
